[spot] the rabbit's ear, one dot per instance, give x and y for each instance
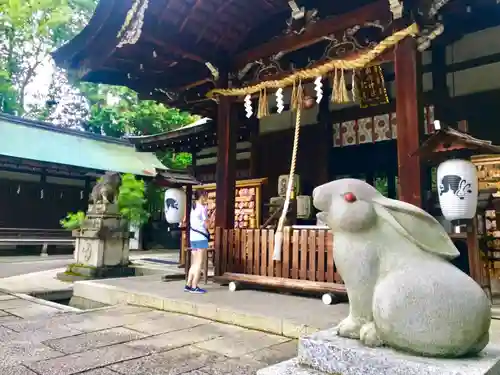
(416, 225)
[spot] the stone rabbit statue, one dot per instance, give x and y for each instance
(403, 292)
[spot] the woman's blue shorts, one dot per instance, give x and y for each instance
(202, 244)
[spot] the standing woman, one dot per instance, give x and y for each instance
(198, 238)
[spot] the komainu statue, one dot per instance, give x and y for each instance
(106, 189)
(403, 292)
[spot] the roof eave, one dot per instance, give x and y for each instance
(102, 29)
(171, 134)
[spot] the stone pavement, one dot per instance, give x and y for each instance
(45, 281)
(39, 338)
(282, 314)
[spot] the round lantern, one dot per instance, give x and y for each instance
(458, 189)
(175, 205)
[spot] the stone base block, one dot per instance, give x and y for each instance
(328, 353)
(78, 272)
(290, 367)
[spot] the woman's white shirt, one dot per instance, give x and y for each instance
(197, 220)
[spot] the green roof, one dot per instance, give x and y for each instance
(43, 142)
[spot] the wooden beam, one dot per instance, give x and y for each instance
(284, 283)
(226, 161)
(408, 113)
(387, 56)
(174, 49)
(314, 33)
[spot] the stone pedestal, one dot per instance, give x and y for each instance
(326, 353)
(101, 246)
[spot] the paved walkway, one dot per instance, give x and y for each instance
(45, 339)
(281, 314)
(21, 279)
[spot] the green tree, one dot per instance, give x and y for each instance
(30, 30)
(116, 111)
(34, 28)
(128, 115)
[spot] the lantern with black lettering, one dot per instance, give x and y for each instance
(175, 205)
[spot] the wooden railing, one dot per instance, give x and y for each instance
(307, 254)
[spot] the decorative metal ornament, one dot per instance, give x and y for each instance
(300, 19)
(279, 100)
(248, 106)
(436, 6)
(424, 41)
(396, 7)
(318, 87)
(458, 189)
(213, 70)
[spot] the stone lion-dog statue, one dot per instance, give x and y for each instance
(106, 189)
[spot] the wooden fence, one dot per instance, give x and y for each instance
(307, 254)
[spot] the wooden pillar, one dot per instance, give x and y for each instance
(440, 93)
(254, 125)
(225, 175)
(408, 114)
(185, 240)
(474, 252)
(325, 135)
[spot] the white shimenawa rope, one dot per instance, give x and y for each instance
(278, 237)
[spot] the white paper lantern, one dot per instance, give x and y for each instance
(175, 205)
(457, 189)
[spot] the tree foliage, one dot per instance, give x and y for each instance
(31, 30)
(132, 201)
(116, 111)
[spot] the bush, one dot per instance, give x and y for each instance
(131, 204)
(73, 220)
(131, 200)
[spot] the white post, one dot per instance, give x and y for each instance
(44, 252)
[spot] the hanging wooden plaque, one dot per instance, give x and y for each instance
(370, 86)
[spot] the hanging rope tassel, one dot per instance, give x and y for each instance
(354, 88)
(343, 94)
(263, 108)
(335, 86)
(293, 98)
(278, 237)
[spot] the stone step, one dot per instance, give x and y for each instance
(326, 352)
(290, 367)
(495, 312)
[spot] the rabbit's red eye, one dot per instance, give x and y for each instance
(350, 197)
